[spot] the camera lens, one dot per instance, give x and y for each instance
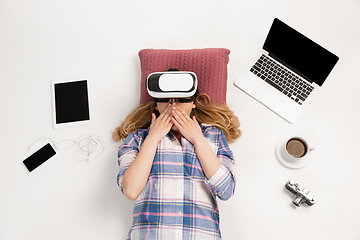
(298, 201)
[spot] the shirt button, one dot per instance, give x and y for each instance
(180, 164)
(179, 213)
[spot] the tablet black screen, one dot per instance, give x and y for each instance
(71, 102)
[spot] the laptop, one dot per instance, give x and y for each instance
(291, 69)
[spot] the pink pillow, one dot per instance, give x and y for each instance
(209, 64)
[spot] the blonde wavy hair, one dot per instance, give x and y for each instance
(205, 112)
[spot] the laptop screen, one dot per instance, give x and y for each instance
(299, 53)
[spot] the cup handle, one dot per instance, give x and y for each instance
(311, 148)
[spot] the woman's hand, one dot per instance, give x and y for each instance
(161, 126)
(188, 127)
(136, 176)
(191, 130)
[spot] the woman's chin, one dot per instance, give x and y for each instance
(174, 128)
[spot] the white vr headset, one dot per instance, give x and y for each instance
(171, 84)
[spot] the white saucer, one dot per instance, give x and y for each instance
(289, 162)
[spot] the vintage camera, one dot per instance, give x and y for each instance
(301, 193)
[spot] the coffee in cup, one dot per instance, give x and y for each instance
(296, 147)
(293, 151)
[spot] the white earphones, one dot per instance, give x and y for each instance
(31, 147)
(87, 146)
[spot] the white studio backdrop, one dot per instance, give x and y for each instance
(68, 198)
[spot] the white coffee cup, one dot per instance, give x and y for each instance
(295, 148)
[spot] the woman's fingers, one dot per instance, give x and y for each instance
(167, 114)
(167, 111)
(188, 127)
(161, 125)
(179, 116)
(180, 119)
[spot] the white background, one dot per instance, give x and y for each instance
(70, 199)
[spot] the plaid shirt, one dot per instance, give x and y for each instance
(179, 202)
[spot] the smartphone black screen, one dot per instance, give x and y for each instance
(39, 157)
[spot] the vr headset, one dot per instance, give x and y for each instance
(171, 84)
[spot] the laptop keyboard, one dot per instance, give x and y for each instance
(282, 79)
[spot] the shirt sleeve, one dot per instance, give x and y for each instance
(127, 153)
(222, 183)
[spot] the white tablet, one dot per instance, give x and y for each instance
(71, 101)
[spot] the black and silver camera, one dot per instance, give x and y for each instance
(301, 193)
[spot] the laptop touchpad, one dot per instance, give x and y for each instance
(268, 95)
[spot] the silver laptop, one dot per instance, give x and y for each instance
(290, 70)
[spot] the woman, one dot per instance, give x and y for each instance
(174, 164)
